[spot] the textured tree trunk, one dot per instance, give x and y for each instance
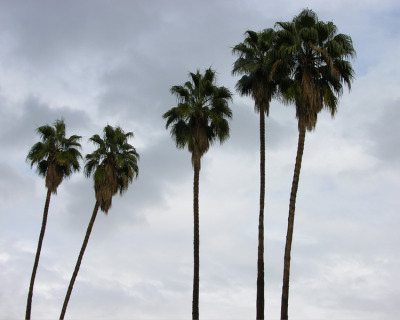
(39, 249)
(196, 241)
(260, 259)
(78, 263)
(289, 235)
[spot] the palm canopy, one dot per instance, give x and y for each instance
(56, 156)
(317, 58)
(256, 64)
(200, 118)
(113, 164)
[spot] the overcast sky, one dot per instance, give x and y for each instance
(102, 62)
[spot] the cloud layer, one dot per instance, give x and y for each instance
(97, 63)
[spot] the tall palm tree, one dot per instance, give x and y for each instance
(199, 119)
(56, 157)
(113, 164)
(255, 63)
(318, 59)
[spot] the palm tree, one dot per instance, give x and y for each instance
(113, 165)
(317, 57)
(258, 81)
(199, 119)
(56, 157)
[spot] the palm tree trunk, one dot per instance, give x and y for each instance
(196, 241)
(39, 249)
(260, 259)
(289, 235)
(78, 263)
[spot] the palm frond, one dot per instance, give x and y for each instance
(318, 59)
(114, 164)
(201, 106)
(56, 155)
(257, 65)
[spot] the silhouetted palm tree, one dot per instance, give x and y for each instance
(113, 165)
(199, 119)
(56, 157)
(318, 60)
(258, 81)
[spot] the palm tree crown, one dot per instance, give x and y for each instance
(200, 118)
(317, 58)
(56, 156)
(113, 164)
(255, 63)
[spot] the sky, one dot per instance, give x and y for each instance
(102, 62)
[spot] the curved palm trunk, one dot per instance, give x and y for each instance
(196, 241)
(78, 263)
(260, 259)
(39, 249)
(289, 235)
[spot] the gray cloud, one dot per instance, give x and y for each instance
(18, 127)
(385, 134)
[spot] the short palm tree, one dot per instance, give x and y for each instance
(317, 57)
(256, 65)
(113, 164)
(56, 157)
(199, 119)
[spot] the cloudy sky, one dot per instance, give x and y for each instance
(113, 62)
